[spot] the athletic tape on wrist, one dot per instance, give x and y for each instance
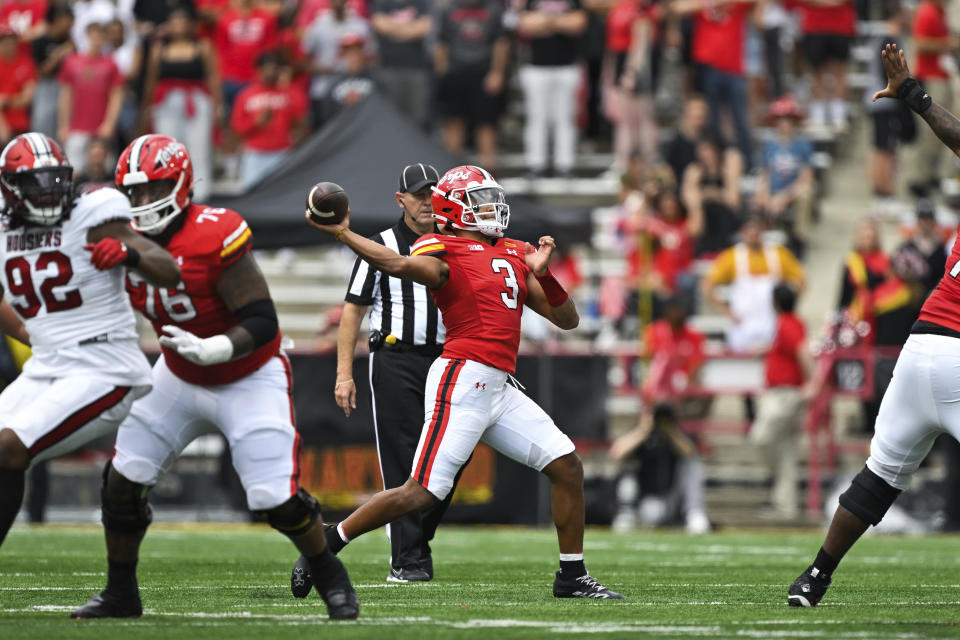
(556, 294)
(912, 94)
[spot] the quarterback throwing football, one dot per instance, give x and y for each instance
(61, 269)
(221, 368)
(480, 282)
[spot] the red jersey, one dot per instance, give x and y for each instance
(929, 21)
(287, 107)
(839, 20)
(621, 19)
(209, 241)
(482, 301)
(782, 362)
(21, 17)
(91, 78)
(718, 37)
(14, 76)
(676, 354)
(240, 38)
(942, 307)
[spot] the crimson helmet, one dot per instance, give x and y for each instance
(156, 161)
(36, 179)
(469, 198)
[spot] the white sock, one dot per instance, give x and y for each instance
(342, 535)
(571, 557)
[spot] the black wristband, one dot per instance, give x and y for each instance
(133, 257)
(913, 95)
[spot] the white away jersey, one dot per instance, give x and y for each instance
(77, 316)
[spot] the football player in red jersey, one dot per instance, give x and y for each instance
(921, 401)
(221, 368)
(480, 281)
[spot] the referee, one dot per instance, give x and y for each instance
(406, 336)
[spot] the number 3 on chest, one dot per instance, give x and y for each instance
(512, 296)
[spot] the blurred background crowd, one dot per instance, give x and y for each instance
(733, 165)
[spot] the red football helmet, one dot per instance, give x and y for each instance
(36, 179)
(155, 169)
(468, 197)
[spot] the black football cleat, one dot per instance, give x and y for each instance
(108, 605)
(337, 592)
(300, 580)
(408, 574)
(586, 586)
(808, 589)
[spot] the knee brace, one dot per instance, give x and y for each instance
(868, 497)
(124, 504)
(295, 516)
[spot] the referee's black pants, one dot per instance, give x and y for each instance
(397, 382)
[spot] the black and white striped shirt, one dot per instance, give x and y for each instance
(401, 307)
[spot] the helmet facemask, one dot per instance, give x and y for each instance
(44, 193)
(161, 204)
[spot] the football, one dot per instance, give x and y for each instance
(327, 203)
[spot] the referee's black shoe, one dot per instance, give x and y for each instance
(586, 586)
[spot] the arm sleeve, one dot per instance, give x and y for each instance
(722, 271)
(792, 271)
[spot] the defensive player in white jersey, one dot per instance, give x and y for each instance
(62, 259)
(221, 369)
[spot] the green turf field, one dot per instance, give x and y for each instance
(222, 581)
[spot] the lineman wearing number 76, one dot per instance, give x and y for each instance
(221, 369)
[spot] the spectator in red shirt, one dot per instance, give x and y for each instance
(779, 406)
(243, 32)
(719, 34)
(26, 18)
(932, 39)
(18, 77)
(828, 29)
(181, 94)
(676, 352)
(268, 118)
(632, 34)
(91, 94)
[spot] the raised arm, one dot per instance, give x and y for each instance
(544, 293)
(429, 271)
(900, 85)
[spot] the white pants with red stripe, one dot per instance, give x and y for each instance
(54, 416)
(255, 414)
(467, 402)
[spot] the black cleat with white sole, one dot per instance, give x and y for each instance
(586, 586)
(808, 589)
(109, 605)
(408, 574)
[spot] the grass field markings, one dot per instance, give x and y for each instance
(593, 627)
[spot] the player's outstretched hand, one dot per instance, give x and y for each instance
(108, 253)
(539, 260)
(331, 229)
(895, 65)
(202, 351)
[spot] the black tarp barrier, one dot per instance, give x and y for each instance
(363, 150)
(339, 460)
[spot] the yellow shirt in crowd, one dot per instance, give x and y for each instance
(724, 268)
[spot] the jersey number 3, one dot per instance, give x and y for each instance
(20, 283)
(512, 296)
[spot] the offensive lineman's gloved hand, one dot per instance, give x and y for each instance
(202, 351)
(110, 252)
